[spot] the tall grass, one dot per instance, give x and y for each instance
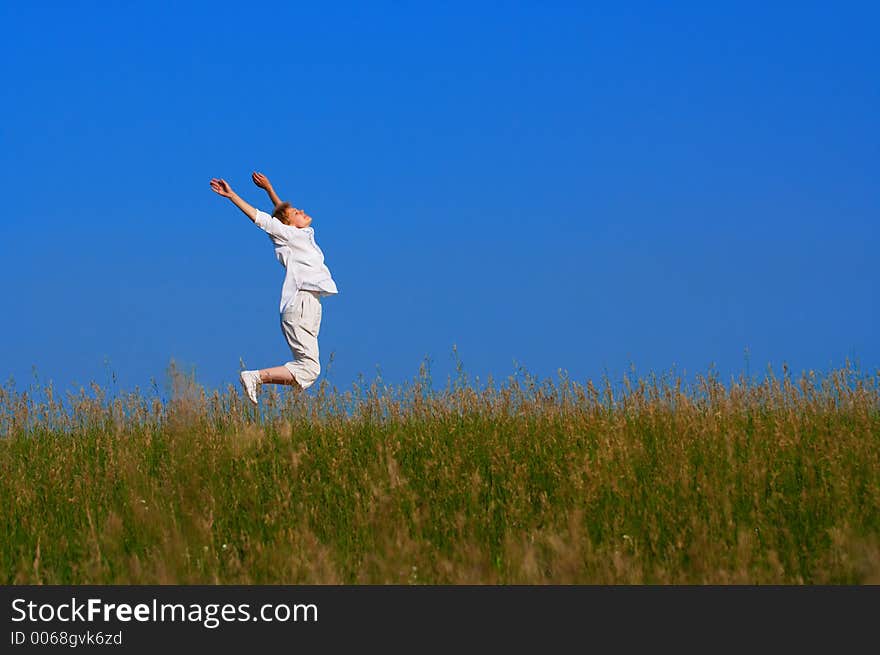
(526, 481)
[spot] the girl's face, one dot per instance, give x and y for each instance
(297, 217)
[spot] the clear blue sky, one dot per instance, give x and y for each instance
(578, 186)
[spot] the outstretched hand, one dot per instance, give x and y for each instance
(261, 181)
(221, 187)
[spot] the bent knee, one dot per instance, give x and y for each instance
(305, 373)
(312, 373)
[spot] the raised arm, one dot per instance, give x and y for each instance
(263, 182)
(221, 187)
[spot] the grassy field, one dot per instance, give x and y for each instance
(523, 481)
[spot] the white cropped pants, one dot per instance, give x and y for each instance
(301, 322)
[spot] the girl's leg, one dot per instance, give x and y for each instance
(277, 375)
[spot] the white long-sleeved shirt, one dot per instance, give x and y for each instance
(301, 257)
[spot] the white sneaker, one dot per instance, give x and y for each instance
(250, 382)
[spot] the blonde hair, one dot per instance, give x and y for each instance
(279, 210)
